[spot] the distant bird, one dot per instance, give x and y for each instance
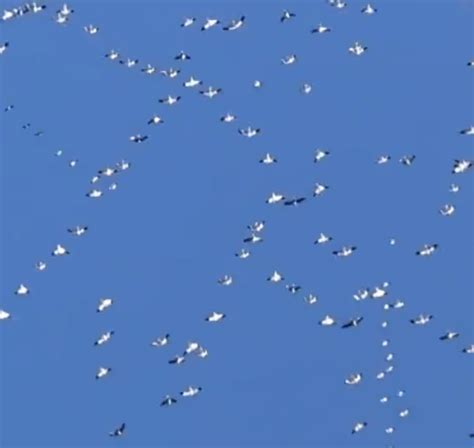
(235, 24)
(470, 63)
(243, 254)
(389, 430)
(104, 304)
(161, 341)
(225, 281)
(191, 391)
(276, 277)
(123, 165)
(357, 49)
(306, 88)
(257, 226)
(211, 92)
(188, 21)
(73, 163)
(215, 317)
(359, 426)
(170, 73)
(362, 294)
(427, 250)
(369, 10)
(40, 266)
(155, 119)
(353, 322)
(404, 413)
(396, 305)
(202, 353)
(91, 29)
(38, 133)
(138, 138)
(268, 159)
(104, 337)
(112, 55)
(407, 160)
(275, 198)
(178, 359)
(310, 299)
(78, 230)
(169, 100)
(293, 288)
(61, 19)
(294, 201)
(353, 379)
(191, 348)
(102, 372)
(461, 166)
(7, 15)
(182, 56)
(327, 321)
(118, 432)
(22, 290)
(321, 29)
(467, 131)
(253, 238)
(289, 60)
(59, 251)
(9, 108)
(287, 15)
(149, 69)
(320, 154)
(323, 239)
(192, 82)
(422, 319)
(469, 350)
(107, 171)
(449, 336)
(454, 188)
(257, 84)
(345, 251)
(129, 62)
(380, 291)
(228, 118)
(4, 315)
(3, 47)
(65, 10)
(168, 401)
(249, 132)
(210, 23)
(447, 210)
(94, 194)
(380, 375)
(113, 186)
(384, 399)
(383, 159)
(319, 189)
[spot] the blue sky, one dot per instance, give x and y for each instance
(158, 244)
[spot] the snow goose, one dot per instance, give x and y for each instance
(235, 24)
(161, 341)
(59, 251)
(104, 337)
(215, 317)
(104, 304)
(191, 391)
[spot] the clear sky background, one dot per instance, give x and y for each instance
(158, 244)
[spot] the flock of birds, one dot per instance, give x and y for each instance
(106, 176)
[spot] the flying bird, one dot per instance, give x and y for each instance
(368, 10)
(289, 60)
(249, 132)
(294, 201)
(192, 82)
(3, 47)
(359, 426)
(276, 277)
(188, 21)
(449, 336)
(215, 317)
(327, 321)
(427, 250)
(358, 49)
(407, 160)
(4, 315)
(59, 251)
(168, 401)
(320, 29)
(211, 92)
(235, 24)
(467, 131)
(22, 290)
(323, 239)
(210, 23)
(182, 56)
(155, 119)
(228, 118)
(161, 341)
(345, 251)
(78, 230)
(268, 159)
(118, 432)
(169, 100)
(422, 319)
(104, 337)
(287, 15)
(138, 138)
(275, 198)
(178, 359)
(102, 372)
(353, 322)
(94, 194)
(91, 29)
(104, 304)
(353, 379)
(191, 391)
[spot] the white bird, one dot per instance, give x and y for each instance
(359, 426)
(392, 241)
(449, 336)
(400, 393)
(320, 154)
(91, 29)
(169, 100)
(210, 23)
(138, 138)
(320, 29)
(384, 399)
(182, 56)
(404, 413)
(353, 379)
(470, 63)
(353, 322)
(170, 73)
(191, 391)
(211, 92)
(390, 430)
(59, 251)
(235, 24)
(268, 159)
(102, 372)
(155, 119)
(396, 305)
(257, 84)
(338, 4)
(4, 315)
(384, 324)
(94, 194)
(275, 198)
(188, 21)
(65, 10)
(288, 60)
(243, 254)
(249, 132)
(467, 131)
(73, 163)
(168, 401)
(22, 290)
(427, 250)
(253, 238)
(385, 342)
(357, 49)
(78, 230)
(380, 291)
(383, 159)
(389, 357)
(104, 337)
(469, 350)
(178, 359)
(118, 432)
(61, 19)
(319, 189)
(225, 281)
(202, 352)
(161, 341)
(310, 299)
(191, 348)
(293, 288)
(362, 294)
(453, 188)
(257, 226)
(447, 210)
(149, 69)
(113, 187)
(108, 171)
(306, 88)
(123, 165)
(287, 15)
(345, 251)
(104, 304)
(215, 317)
(323, 239)
(228, 118)
(112, 55)
(3, 47)
(129, 62)
(422, 319)
(276, 277)
(192, 82)
(327, 321)
(388, 369)
(369, 10)
(7, 15)
(407, 160)
(40, 266)
(461, 166)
